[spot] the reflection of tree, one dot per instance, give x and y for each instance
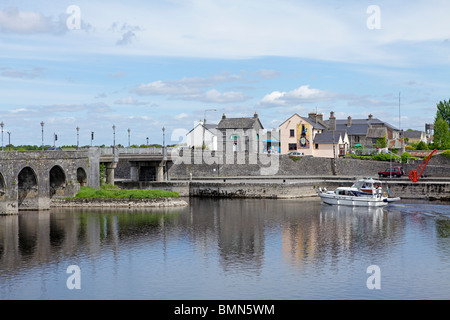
(443, 228)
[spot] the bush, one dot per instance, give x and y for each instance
(421, 146)
(446, 153)
(406, 156)
(93, 193)
(383, 157)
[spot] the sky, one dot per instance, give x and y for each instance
(144, 65)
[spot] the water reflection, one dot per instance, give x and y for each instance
(213, 238)
(339, 231)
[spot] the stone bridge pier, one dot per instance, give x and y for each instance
(30, 179)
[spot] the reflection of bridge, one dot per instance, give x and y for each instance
(30, 179)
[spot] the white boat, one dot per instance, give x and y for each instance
(365, 192)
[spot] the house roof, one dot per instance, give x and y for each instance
(360, 127)
(239, 123)
(210, 127)
(327, 136)
(376, 132)
(315, 125)
(413, 134)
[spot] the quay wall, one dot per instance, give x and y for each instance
(277, 189)
(438, 166)
(282, 165)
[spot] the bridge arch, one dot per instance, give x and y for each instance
(27, 184)
(57, 181)
(81, 176)
(2, 186)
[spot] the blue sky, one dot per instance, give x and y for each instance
(147, 64)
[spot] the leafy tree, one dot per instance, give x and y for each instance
(421, 146)
(443, 111)
(441, 134)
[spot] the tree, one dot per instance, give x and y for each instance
(443, 111)
(441, 134)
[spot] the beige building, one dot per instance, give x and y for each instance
(312, 137)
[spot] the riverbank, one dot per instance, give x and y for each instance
(117, 203)
(113, 196)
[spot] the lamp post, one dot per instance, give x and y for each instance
(78, 137)
(2, 125)
(204, 124)
(128, 137)
(9, 140)
(42, 125)
(114, 135)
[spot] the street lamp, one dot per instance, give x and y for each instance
(78, 137)
(164, 144)
(42, 125)
(9, 140)
(204, 124)
(114, 135)
(128, 137)
(2, 125)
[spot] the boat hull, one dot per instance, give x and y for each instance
(333, 199)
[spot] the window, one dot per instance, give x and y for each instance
(292, 146)
(292, 133)
(316, 146)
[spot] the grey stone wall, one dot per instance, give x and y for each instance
(438, 166)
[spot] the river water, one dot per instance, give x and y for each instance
(229, 249)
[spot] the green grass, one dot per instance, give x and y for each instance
(116, 193)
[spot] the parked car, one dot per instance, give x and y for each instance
(296, 154)
(392, 171)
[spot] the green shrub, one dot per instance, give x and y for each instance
(102, 193)
(446, 153)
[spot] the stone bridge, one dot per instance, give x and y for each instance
(30, 179)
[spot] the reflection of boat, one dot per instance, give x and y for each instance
(365, 192)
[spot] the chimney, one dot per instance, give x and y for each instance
(349, 121)
(370, 116)
(255, 115)
(319, 116)
(332, 121)
(223, 116)
(312, 116)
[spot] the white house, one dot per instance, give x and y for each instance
(201, 134)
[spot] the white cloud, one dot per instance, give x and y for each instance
(13, 20)
(127, 37)
(181, 116)
(215, 96)
(303, 94)
(165, 88)
(24, 74)
(130, 101)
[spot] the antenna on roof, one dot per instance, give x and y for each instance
(399, 121)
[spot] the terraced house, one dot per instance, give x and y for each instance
(331, 138)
